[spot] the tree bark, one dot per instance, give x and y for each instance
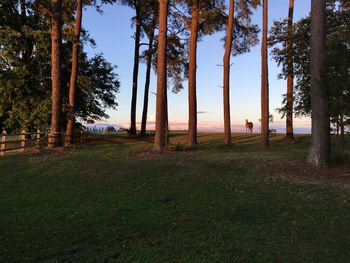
(28, 42)
(342, 134)
(136, 69)
(166, 123)
(23, 11)
(337, 134)
(23, 23)
(56, 40)
(161, 103)
(2, 119)
(192, 72)
(264, 81)
(290, 77)
(74, 73)
(148, 77)
(226, 90)
(320, 143)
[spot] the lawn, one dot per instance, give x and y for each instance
(112, 200)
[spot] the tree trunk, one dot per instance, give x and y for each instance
(28, 42)
(342, 133)
(56, 40)
(161, 104)
(290, 77)
(227, 57)
(148, 77)
(166, 123)
(74, 74)
(136, 69)
(320, 143)
(23, 23)
(2, 119)
(23, 11)
(337, 145)
(192, 72)
(264, 81)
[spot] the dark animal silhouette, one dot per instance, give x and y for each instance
(248, 126)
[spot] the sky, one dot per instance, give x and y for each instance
(113, 34)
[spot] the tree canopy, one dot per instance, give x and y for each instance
(337, 58)
(25, 66)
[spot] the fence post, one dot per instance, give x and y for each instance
(23, 140)
(38, 138)
(3, 143)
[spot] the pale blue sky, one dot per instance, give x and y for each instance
(113, 33)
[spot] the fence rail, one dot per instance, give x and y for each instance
(13, 143)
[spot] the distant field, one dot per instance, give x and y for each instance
(112, 200)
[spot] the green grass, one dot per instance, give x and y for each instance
(110, 202)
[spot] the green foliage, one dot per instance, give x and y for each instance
(245, 33)
(25, 69)
(337, 59)
(97, 86)
(179, 147)
(212, 18)
(110, 129)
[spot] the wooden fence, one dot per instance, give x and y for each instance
(14, 143)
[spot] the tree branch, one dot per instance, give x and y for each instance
(143, 44)
(46, 6)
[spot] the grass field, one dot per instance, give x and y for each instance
(112, 200)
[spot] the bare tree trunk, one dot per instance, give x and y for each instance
(192, 86)
(264, 81)
(74, 73)
(161, 104)
(56, 40)
(320, 143)
(136, 69)
(290, 77)
(148, 77)
(227, 57)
